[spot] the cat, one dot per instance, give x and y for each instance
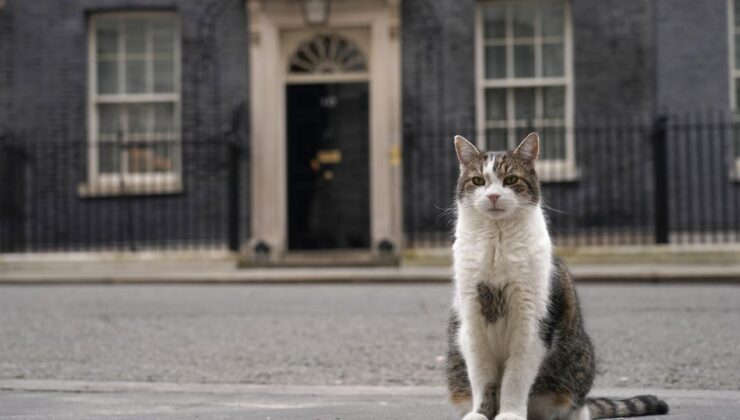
(517, 347)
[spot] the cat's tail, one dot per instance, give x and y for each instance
(641, 405)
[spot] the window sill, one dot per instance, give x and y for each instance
(141, 186)
(735, 172)
(566, 173)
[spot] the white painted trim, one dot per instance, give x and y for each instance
(149, 183)
(269, 23)
(328, 78)
(531, 82)
(734, 73)
(549, 170)
(480, 97)
(132, 184)
(732, 30)
(132, 98)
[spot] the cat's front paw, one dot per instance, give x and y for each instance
(474, 416)
(509, 416)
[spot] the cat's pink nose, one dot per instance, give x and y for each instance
(493, 198)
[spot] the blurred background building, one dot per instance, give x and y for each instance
(322, 129)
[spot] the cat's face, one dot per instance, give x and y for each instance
(498, 184)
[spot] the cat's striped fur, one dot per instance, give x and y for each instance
(517, 345)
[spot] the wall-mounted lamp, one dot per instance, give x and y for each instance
(316, 12)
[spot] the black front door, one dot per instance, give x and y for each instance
(328, 166)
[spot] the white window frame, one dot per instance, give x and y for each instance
(734, 76)
(99, 184)
(553, 170)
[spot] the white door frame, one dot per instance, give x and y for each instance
(268, 21)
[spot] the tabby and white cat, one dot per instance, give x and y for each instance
(517, 346)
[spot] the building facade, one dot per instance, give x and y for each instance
(127, 115)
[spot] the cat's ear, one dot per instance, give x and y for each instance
(467, 153)
(528, 150)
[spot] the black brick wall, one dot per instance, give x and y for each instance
(47, 65)
(612, 57)
(692, 56)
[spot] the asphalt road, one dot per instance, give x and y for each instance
(140, 401)
(656, 336)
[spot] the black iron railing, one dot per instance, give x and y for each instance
(615, 181)
(605, 181)
(150, 195)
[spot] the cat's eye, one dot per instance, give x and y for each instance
(478, 181)
(511, 179)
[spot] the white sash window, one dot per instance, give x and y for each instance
(524, 79)
(134, 103)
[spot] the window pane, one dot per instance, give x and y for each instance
(524, 61)
(495, 62)
(737, 51)
(138, 121)
(163, 38)
(494, 21)
(552, 60)
(164, 118)
(152, 157)
(496, 139)
(552, 19)
(163, 157)
(135, 76)
(552, 145)
(107, 77)
(140, 159)
(523, 20)
(109, 157)
(164, 76)
(553, 99)
(135, 30)
(109, 121)
(737, 12)
(524, 107)
(107, 36)
(495, 104)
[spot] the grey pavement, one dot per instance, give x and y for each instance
(80, 400)
(343, 336)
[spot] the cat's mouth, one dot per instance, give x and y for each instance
(496, 210)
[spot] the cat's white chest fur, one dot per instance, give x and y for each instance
(513, 256)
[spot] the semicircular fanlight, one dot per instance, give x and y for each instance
(324, 54)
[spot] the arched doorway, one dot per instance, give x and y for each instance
(351, 69)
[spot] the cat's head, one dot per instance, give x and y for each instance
(498, 184)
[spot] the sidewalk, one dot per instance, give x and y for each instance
(648, 263)
(225, 271)
(129, 400)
